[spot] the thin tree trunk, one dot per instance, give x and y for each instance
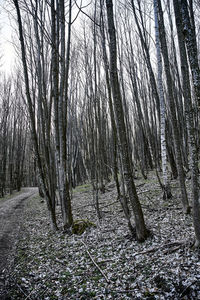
(166, 186)
(190, 38)
(171, 101)
(141, 231)
(190, 120)
(32, 121)
(110, 103)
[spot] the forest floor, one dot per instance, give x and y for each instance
(106, 262)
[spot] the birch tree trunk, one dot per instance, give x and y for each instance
(172, 103)
(141, 231)
(166, 187)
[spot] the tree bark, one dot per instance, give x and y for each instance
(32, 121)
(166, 186)
(141, 231)
(190, 121)
(171, 101)
(190, 39)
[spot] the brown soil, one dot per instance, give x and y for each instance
(11, 218)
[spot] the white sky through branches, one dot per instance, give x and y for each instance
(6, 37)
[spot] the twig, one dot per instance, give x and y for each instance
(105, 261)
(22, 291)
(147, 251)
(109, 230)
(80, 9)
(139, 185)
(187, 287)
(117, 201)
(29, 295)
(82, 206)
(142, 192)
(168, 251)
(96, 265)
(123, 291)
(149, 208)
(146, 191)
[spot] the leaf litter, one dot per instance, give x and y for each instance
(106, 262)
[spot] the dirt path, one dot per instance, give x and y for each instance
(11, 216)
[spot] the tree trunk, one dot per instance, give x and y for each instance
(190, 38)
(171, 101)
(166, 187)
(110, 103)
(190, 120)
(32, 121)
(141, 231)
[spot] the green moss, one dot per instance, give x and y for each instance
(83, 188)
(149, 295)
(97, 277)
(52, 297)
(80, 226)
(91, 293)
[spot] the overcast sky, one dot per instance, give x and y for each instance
(6, 34)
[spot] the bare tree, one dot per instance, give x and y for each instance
(190, 120)
(172, 105)
(60, 94)
(42, 175)
(191, 44)
(166, 187)
(141, 231)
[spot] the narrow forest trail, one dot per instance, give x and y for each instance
(11, 216)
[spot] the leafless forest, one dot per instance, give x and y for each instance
(106, 95)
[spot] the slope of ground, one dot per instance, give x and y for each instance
(106, 262)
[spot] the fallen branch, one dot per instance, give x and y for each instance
(96, 265)
(169, 251)
(92, 204)
(143, 192)
(82, 206)
(151, 191)
(147, 251)
(117, 201)
(150, 208)
(123, 291)
(139, 185)
(178, 244)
